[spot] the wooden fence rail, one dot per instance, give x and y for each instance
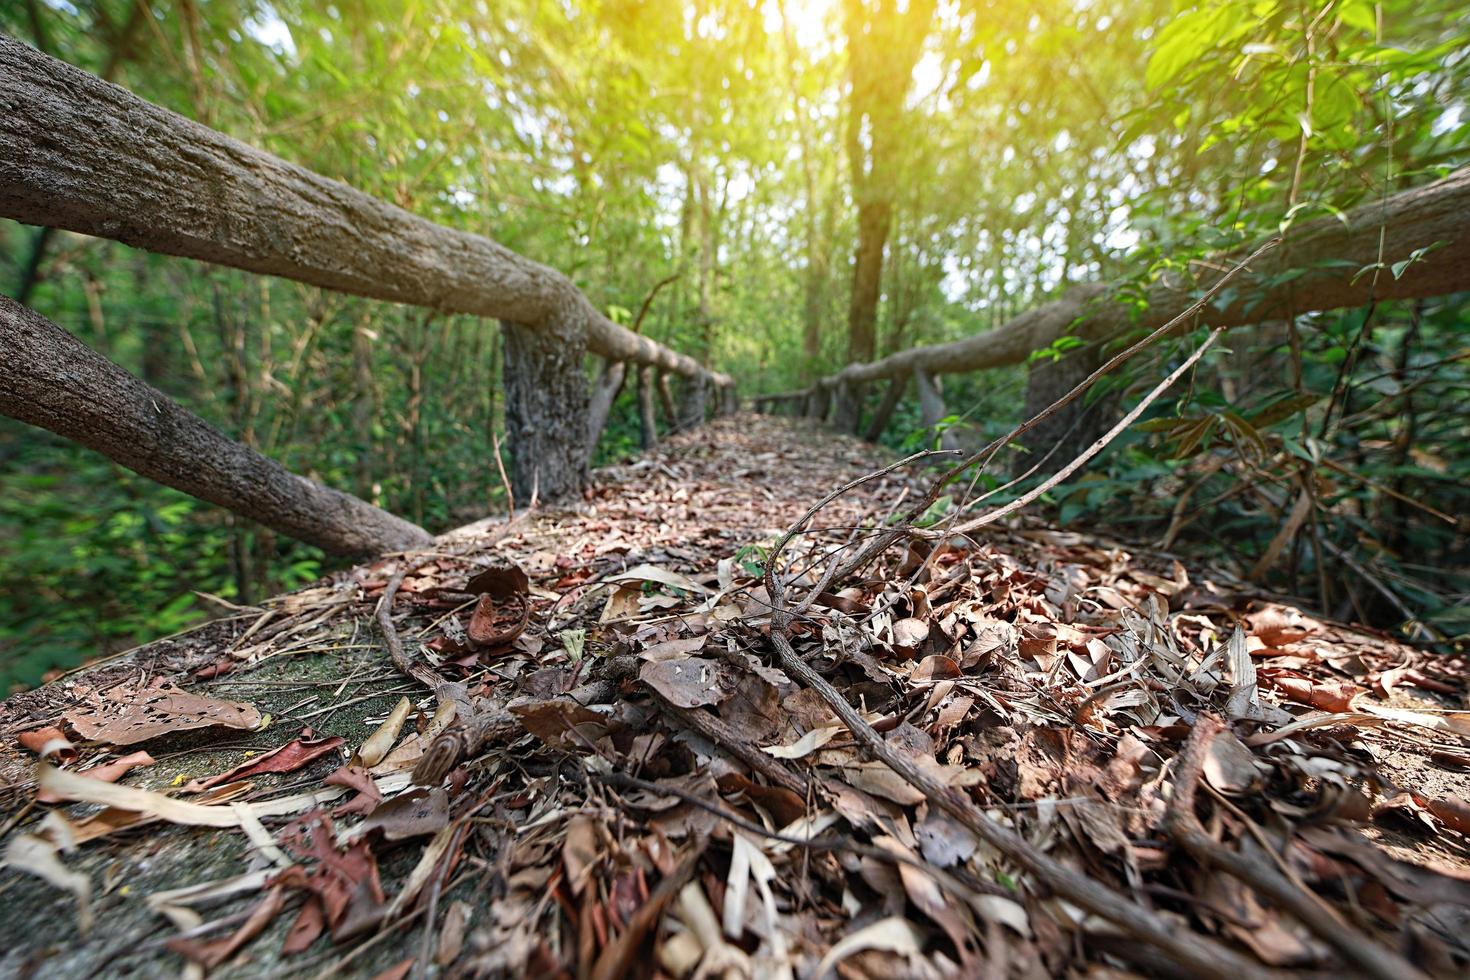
(1326, 256)
(81, 154)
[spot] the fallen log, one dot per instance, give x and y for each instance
(79, 153)
(54, 381)
(1331, 254)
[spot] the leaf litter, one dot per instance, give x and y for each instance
(621, 778)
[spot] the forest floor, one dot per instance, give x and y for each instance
(623, 779)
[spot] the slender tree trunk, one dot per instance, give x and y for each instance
(847, 408)
(364, 403)
(1074, 427)
(56, 382)
(874, 219)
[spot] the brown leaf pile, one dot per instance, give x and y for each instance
(634, 788)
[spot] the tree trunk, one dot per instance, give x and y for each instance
(647, 422)
(546, 409)
(58, 383)
(604, 393)
(891, 396)
(931, 406)
(874, 219)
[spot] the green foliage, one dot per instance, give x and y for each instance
(1046, 145)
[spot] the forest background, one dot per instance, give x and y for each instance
(735, 166)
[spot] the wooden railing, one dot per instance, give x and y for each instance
(1426, 228)
(81, 154)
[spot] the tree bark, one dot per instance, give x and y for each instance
(546, 410)
(647, 421)
(604, 393)
(56, 382)
(891, 396)
(931, 406)
(79, 153)
(883, 44)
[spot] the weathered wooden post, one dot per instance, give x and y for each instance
(666, 402)
(931, 406)
(1074, 427)
(891, 396)
(647, 422)
(813, 405)
(54, 381)
(604, 392)
(693, 402)
(546, 407)
(846, 406)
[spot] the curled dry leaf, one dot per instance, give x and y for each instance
(128, 713)
(48, 743)
(562, 722)
(288, 758)
(497, 622)
(891, 935)
(804, 746)
(378, 744)
(210, 954)
(660, 576)
(908, 636)
(1325, 695)
(413, 814)
(500, 582)
(355, 778)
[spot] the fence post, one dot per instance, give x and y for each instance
(604, 393)
(1074, 427)
(647, 422)
(666, 402)
(895, 390)
(693, 403)
(931, 406)
(546, 408)
(847, 406)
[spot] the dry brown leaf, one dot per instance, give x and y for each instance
(287, 758)
(691, 683)
(127, 715)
